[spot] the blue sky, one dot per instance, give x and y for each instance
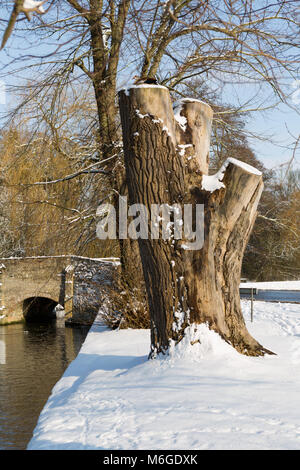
(278, 127)
(276, 123)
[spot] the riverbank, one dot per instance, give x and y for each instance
(205, 396)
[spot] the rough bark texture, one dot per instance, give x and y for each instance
(151, 159)
(166, 164)
(132, 278)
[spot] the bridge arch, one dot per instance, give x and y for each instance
(78, 284)
(39, 309)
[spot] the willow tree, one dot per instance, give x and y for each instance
(167, 158)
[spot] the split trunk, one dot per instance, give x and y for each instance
(166, 159)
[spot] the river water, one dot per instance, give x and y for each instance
(33, 357)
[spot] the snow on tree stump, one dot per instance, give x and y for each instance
(166, 157)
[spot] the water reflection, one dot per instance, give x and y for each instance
(32, 359)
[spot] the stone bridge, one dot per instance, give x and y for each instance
(35, 288)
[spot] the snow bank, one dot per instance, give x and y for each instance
(277, 285)
(200, 343)
(202, 396)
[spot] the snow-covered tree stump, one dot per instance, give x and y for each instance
(166, 158)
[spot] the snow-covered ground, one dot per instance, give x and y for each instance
(205, 396)
(277, 285)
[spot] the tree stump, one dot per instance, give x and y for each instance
(166, 159)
